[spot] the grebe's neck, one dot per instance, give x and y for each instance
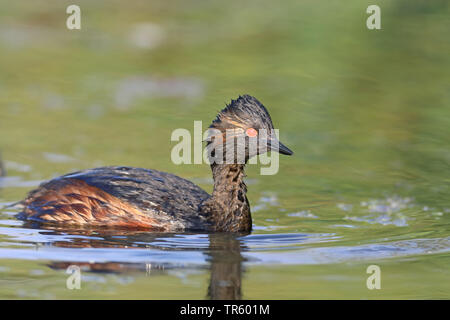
(228, 208)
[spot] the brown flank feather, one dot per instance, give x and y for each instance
(75, 202)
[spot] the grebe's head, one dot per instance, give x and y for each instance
(245, 125)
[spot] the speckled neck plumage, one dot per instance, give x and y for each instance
(228, 208)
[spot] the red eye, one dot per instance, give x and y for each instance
(251, 132)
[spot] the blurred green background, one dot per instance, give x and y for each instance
(366, 112)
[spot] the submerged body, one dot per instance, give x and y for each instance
(125, 197)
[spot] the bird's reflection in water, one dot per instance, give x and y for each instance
(226, 267)
(223, 255)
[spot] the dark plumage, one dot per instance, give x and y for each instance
(158, 201)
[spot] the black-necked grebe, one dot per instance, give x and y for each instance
(152, 200)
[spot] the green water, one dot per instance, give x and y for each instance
(366, 112)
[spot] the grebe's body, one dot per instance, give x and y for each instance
(125, 197)
(121, 197)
